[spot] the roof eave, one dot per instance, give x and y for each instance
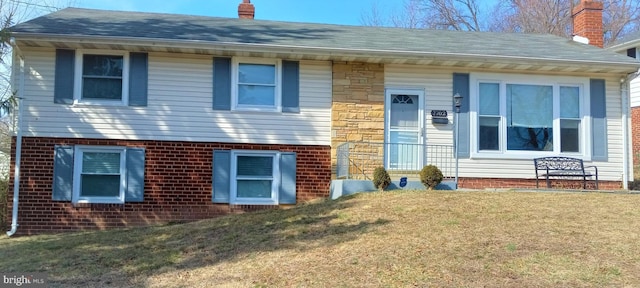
(328, 52)
(624, 46)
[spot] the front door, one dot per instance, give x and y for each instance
(403, 131)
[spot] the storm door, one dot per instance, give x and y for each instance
(404, 137)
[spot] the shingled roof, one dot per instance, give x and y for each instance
(326, 39)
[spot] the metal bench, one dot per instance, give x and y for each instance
(562, 168)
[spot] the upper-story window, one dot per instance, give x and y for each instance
(101, 77)
(524, 117)
(256, 84)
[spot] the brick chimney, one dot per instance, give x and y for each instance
(587, 21)
(246, 10)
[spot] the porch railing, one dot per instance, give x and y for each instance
(357, 160)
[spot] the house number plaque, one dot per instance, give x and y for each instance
(439, 117)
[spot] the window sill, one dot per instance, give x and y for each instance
(255, 112)
(254, 202)
(84, 202)
(77, 103)
(82, 205)
(259, 110)
(525, 155)
(89, 206)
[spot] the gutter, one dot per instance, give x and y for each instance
(16, 176)
(328, 52)
(624, 46)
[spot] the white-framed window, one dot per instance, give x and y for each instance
(256, 84)
(99, 174)
(254, 177)
(101, 77)
(520, 117)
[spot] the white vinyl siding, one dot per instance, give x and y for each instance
(437, 84)
(179, 107)
(635, 92)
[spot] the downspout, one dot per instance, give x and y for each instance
(624, 91)
(16, 176)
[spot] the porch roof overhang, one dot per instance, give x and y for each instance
(460, 61)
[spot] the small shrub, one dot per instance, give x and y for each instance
(431, 176)
(634, 185)
(381, 178)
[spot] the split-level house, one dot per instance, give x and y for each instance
(132, 118)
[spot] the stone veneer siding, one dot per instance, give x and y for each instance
(357, 112)
(178, 185)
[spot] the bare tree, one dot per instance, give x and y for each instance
(433, 14)
(11, 13)
(620, 17)
(374, 17)
(452, 14)
(535, 16)
(412, 18)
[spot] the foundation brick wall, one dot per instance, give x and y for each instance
(177, 185)
(483, 183)
(635, 137)
(357, 112)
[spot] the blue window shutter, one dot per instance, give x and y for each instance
(221, 176)
(222, 84)
(291, 86)
(134, 191)
(598, 120)
(287, 178)
(461, 86)
(65, 66)
(62, 173)
(138, 79)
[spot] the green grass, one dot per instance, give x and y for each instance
(388, 239)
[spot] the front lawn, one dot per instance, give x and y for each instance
(389, 239)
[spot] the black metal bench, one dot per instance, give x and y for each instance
(562, 168)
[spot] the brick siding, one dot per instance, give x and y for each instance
(177, 185)
(587, 21)
(483, 183)
(635, 136)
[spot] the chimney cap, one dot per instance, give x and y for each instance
(580, 39)
(246, 10)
